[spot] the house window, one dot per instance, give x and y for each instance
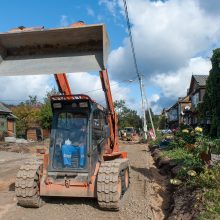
(195, 99)
(173, 115)
(2, 124)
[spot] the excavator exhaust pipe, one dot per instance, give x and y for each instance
(35, 51)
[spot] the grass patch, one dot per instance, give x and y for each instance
(216, 147)
(185, 158)
(157, 140)
(186, 150)
(209, 181)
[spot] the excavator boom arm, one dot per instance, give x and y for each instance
(80, 48)
(112, 116)
(63, 84)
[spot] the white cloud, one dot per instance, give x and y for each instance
(166, 36)
(175, 84)
(211, 6)
(111, 6)
(90, 12)
(64, 21)
(15, 89)
(99, 17)
(90, 84)
(154, 98)
(170, 38)
(152, 101)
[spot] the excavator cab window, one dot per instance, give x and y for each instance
(70, 144)
(99, 121)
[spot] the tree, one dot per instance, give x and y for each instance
(33, 113)
(32, 100)
(45, 114)
(211, 105)
(162, 122)
(127, 117)
(27, 116)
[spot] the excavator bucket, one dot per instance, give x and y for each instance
(35, 51)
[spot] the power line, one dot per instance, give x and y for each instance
(86, 92)
(141, 84)
(115, 84)
(131, 40)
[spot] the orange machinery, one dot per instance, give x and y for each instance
(83, 159)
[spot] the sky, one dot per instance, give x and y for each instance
(173, 39)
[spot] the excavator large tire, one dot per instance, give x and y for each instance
(27, 185)
(112, 183)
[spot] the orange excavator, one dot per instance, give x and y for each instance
(83, 159)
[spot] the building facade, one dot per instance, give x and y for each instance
(196, 93)
(7, 122)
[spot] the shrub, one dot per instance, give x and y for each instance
(187, 159)
(3, 134)
(216, 146)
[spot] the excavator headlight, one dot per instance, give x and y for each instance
(57, 105)
(83, 105)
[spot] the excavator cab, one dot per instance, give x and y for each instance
(70, 136)
(78, 130)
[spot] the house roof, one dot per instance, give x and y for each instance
(201, 79)
(11, 116)
(172, 107)
(4, 109)
(183, 99)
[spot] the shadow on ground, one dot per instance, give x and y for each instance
(72, 201)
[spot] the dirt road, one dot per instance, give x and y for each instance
(146, 198)
(9, 165)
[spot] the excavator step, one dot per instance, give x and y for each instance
(111, 184)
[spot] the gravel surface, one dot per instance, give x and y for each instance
(9, 165)
(147, 197)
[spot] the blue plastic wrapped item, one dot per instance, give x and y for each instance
(68, 151)
(164, 143)
(82, 156)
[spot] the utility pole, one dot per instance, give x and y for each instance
(143, 107)
(136, 70)
(149, 111)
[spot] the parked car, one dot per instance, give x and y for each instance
(121, 133)
(166, 131)
(129, 133)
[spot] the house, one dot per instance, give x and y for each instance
(177, 114)
(172, 116)
(7, 122)
(164, 114)
(184, 106)
(185, 110)
(196, 93)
